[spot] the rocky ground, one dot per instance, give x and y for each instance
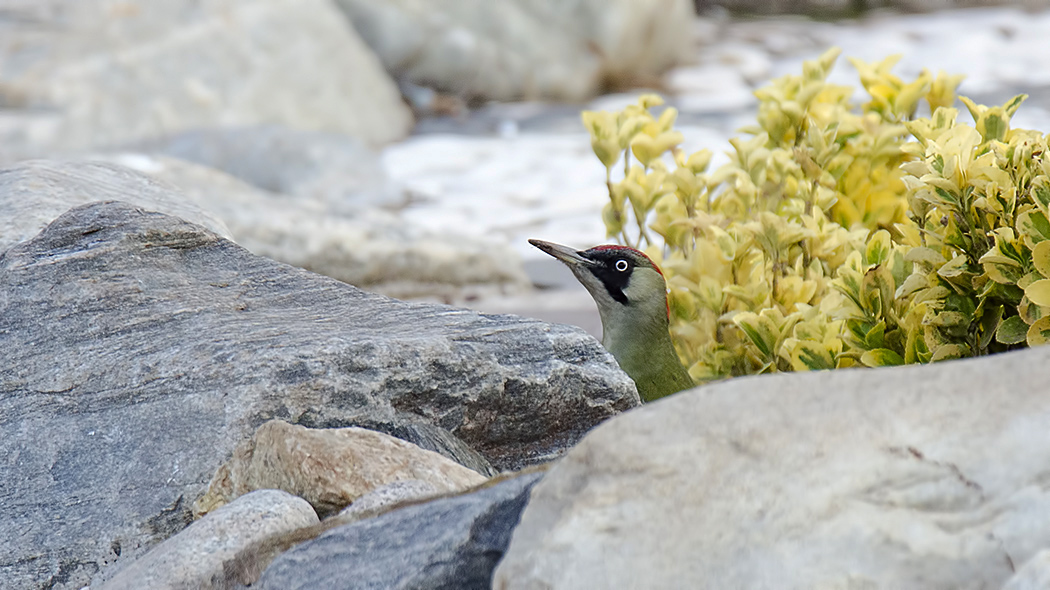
(204, 383)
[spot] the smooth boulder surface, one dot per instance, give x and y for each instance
(34, 193)
(910, 478)
(538, 49)
(336, 170)
(451, 542)
(1033, 575)
(328, 467)
(371, 248)
(140, 349)
(83, 74)
(195, 557)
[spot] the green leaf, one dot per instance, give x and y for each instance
(990, 320)
(811, 356)
(1041, 192)
(878, 248)
(881, 357)
(949, 351)
(876, 337)
(760, 331)
(924, 255)
(1034, 224)
(1012, 330)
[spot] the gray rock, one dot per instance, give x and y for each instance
(338, 171)
(34, 193)
(517, 49)
(369, 248)
(447, 543)
(436, 439)
(139, 349)
(911, 478)
(388, 495)
(194, 559)
(89, 73)
(1033, 575)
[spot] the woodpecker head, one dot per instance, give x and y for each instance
(627, 286)
(632, 301)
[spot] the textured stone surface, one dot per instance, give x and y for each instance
(555, 49)
(329, 468)
(34, 193)
(369, 247)
(446, 543)
(140, 349)
(194, 558)
(338, 171)
(389, 494)
(913, 478)
(88, 73)
(1033, 575)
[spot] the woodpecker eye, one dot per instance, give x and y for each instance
(621, 265)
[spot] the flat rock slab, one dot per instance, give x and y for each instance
(911, 478)
(139, 349)
(447, 543)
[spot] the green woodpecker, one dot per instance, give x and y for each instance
(632, 301)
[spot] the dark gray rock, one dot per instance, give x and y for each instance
(139, 349)
(452, 543)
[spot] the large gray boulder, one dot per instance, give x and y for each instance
(447, 543)
(90, 73)
(337, 171)
(139, 349)
(34, 193)
(369, 248)
(514, 49)
(912, 478)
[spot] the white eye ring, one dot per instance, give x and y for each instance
(621, 265)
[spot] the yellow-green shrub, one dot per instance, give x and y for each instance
(839, 235)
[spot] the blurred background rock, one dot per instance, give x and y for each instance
(412, 147)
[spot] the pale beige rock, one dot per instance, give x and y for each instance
(555, 49)
(91, 73)
(194, 558)
(912, 478)
(329, 468)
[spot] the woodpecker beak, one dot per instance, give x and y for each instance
(564, 253)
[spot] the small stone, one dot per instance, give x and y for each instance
(329, 468)
(389, 494)
(195, 557)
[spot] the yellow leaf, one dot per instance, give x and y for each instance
(1039, 332)
(1039, 292)
(1041, 258)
